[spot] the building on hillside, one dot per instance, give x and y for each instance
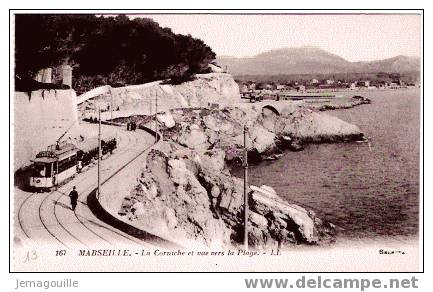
(300, 88)
(394, 85)
(314, 81)
(364, 83)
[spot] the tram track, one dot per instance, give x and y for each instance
(46, 227)
(42, 214)
(56, 203)
(85, 191)
(20, 220)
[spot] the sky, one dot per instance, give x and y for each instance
(353, 37)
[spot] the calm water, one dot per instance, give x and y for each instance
(367, 192)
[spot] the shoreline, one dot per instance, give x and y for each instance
(198, 139)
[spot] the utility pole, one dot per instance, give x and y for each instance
(245, 190)
(99, 152)
(111, 105)
(156, 116)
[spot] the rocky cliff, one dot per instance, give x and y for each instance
(144, 99)
(268, 132)
(185, 195)
(186, 191)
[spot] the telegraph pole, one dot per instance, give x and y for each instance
(156, 116)
(99, 152)
(111, 105)
(245, 190)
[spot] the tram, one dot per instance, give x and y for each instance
(61, 161)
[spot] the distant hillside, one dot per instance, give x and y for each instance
(398, 64)
(312, 60)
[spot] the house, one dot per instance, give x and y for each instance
(353, 85)
(314, 81)
(300, 88)
(394, 85)
(329, 81)
(281, 87)
(364, 83)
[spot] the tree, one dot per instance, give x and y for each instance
(107, 50)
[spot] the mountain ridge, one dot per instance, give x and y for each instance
(313, 60)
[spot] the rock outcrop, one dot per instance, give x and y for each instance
(267, 132)
(185, 194)
(144, 99)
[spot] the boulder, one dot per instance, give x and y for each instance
(288, 218)
(258, 220)
(192, 136)
(262, 140)
(213, 159)
(166, 119)
(308, 126)
(215, 69)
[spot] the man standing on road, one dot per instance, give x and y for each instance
(74, 198)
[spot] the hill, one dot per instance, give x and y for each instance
(114, 50)
(312, 60)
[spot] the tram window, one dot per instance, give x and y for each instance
(67, 163)
(48, 170)
(39, 170)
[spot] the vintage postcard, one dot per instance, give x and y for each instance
(216, 142)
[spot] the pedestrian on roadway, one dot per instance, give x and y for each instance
(74, 198)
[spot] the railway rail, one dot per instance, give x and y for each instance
(45, 218)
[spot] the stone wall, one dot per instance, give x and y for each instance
(40, 119)
(204, 90)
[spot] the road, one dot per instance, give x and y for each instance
(47, 219)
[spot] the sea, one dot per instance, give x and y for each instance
(367, 190)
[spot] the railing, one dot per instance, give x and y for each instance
(102, 214)
(93, 93)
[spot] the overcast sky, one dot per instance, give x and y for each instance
(353, 37)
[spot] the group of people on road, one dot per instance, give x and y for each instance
(131, 126)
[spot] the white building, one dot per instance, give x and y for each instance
(300, 88)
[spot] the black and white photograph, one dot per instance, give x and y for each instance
(216, 142)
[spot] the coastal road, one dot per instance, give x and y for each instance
(46, 219)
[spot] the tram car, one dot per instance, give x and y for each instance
(61, 161)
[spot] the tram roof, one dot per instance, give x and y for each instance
(64, 151)
(44, 160)
(88, 144)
